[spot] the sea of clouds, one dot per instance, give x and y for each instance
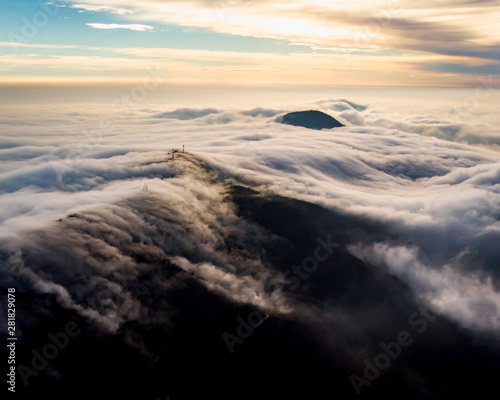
(432, 176)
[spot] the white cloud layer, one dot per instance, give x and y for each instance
(112, 10)
(132, 27)
(472, 299)
(439, 197)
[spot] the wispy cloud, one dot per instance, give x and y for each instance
(208, 66)
(341, 42)
(132, 27)
(447, 28)
(438, 199)
(112, 10)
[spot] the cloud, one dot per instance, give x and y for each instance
(488, 69)
(394, 43)
(99, 225)
(270, 68)
(132, 27)
(261, 112)
(440, 197)
(472, 299)
(458, 122)
(181, 221)
(185, 114)
(240, 287)
(400, 25)
(112, 10)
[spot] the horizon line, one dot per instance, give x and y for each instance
(121, 83)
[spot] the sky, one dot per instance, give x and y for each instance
(252, 42)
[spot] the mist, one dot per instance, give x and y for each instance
(337, 239)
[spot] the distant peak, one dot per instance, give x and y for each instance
(311, 119)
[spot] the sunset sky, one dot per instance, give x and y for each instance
(260, 42)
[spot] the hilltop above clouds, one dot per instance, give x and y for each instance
(311, 119)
